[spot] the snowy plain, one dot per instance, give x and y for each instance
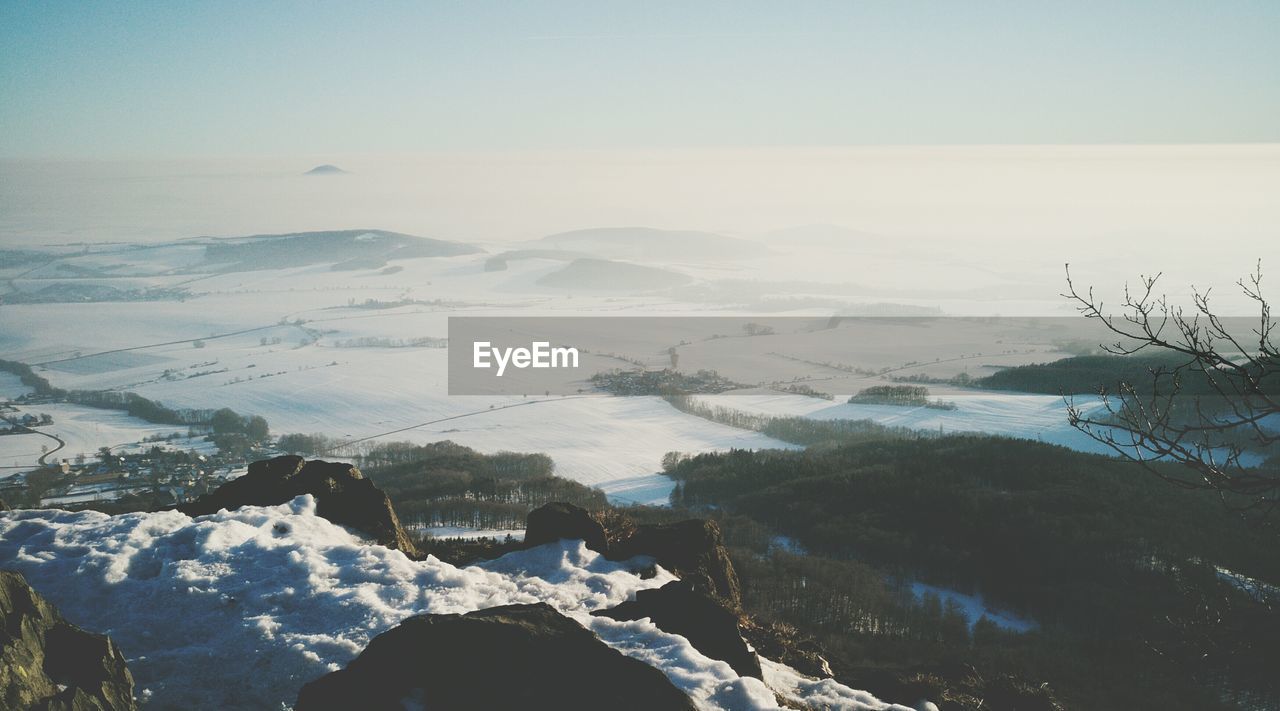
(278, 343)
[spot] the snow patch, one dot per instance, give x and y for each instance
(239, 609)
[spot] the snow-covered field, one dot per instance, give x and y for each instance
(83, 430)
(19, 452)
(11, 387)
(1022, 415)
(238, 610)
(301, 380)
(285, 344)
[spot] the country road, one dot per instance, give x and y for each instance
(56, 438)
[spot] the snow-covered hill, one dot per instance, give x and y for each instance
(238, 610)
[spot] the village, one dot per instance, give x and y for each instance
(157, 470)
(161, 475)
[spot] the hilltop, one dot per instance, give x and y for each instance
(649, 244)
(326, 169)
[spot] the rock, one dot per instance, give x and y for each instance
(515, 656)
(693, 550)
(783, 643)
(558, 520)
(4, 506)
(49, 663)
(343, 495)
(680, 609)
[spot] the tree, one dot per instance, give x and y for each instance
(256, 428)
(232, 444)
(671, 460)
(226, 420)
(1213, 409)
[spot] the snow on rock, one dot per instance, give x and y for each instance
(818, 693)
(506, 657)
(239, 609)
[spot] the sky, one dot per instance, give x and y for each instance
(153, 80)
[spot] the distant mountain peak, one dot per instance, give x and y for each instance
(326, 169)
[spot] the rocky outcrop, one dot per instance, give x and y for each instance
(693, 550)
(783, 643)
(703, 606)
(680, 609)
(343, 495)
(515, 656)
(558, 520)
(4, 506)
(48, 663)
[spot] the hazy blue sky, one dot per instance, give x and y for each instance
(229, 78)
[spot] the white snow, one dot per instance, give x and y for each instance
(279, 370)
(816, 693)
(1022, 415)
(11, 386)
(239, 609)
(84, 429)
(975, 608)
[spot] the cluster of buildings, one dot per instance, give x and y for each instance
(167, 474)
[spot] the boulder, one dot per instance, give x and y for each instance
(782, 642)
(679, 608)
(343, 495)
(555, 521)
(4, 506)
(49, 663)
(693, 550)
(510, 657)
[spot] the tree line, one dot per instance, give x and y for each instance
(796, 430)
(447, 484)
(136, 405)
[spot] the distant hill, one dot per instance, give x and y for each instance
(605, 275)
(326, 169)
(648, 244)
(345, 249)
(824, 237)
(498, 262)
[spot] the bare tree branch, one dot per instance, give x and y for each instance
(1224, 428)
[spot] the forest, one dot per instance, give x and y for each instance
(1087, 375)
(901, 395)
(447, 484)
(1123, 574)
